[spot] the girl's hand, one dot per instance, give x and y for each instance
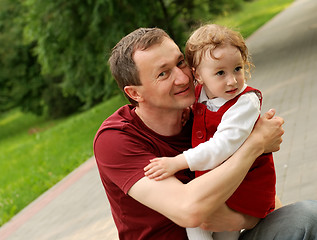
(161, 168)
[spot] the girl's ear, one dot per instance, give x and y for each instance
(134, 93)
(197, 76)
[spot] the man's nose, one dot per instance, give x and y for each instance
(180, 77)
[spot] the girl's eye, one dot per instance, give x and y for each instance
(220, 73)
(237, 69)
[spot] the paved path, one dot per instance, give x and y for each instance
(74, 209)
(285, 54)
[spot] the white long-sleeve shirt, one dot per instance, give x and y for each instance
(236, 125)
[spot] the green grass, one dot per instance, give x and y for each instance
(253, 15)
(36, 154)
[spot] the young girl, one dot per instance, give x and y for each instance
(225, 112)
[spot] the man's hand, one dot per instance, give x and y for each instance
(269, 129)
(226, 219)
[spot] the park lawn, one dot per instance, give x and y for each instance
(36, 153)
(253, 15)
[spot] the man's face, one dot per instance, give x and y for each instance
(167, 81)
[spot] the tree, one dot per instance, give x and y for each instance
(55, 54)
(20, 80)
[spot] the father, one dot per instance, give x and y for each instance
(149, 67)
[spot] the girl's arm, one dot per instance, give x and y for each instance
(236, 125)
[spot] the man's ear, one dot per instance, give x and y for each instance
(134, 93)
(197, 76)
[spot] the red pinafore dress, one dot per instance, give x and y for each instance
(256, 194)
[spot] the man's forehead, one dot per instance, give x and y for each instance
(159, 58)
(159, 54)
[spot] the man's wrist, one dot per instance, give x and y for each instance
(255, 144)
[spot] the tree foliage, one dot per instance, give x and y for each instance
(20, 72)
(54, 53)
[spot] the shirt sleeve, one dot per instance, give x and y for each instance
(121, 157)
(236, 125)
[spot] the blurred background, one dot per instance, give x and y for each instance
(56, 88)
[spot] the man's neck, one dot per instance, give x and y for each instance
(166, 123)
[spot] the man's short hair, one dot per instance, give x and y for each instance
(121, 61)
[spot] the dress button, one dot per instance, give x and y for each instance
(199, 134)
(199, 111)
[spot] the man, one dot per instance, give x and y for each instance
(149, 67)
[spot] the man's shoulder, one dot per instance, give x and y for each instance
(122, 115)
(118, 120)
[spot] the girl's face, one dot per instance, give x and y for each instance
(224, 76)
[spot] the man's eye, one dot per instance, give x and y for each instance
(220, 73)
(162, 74)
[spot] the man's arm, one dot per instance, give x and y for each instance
(195, 203)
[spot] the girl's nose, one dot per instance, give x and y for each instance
(231, 80)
